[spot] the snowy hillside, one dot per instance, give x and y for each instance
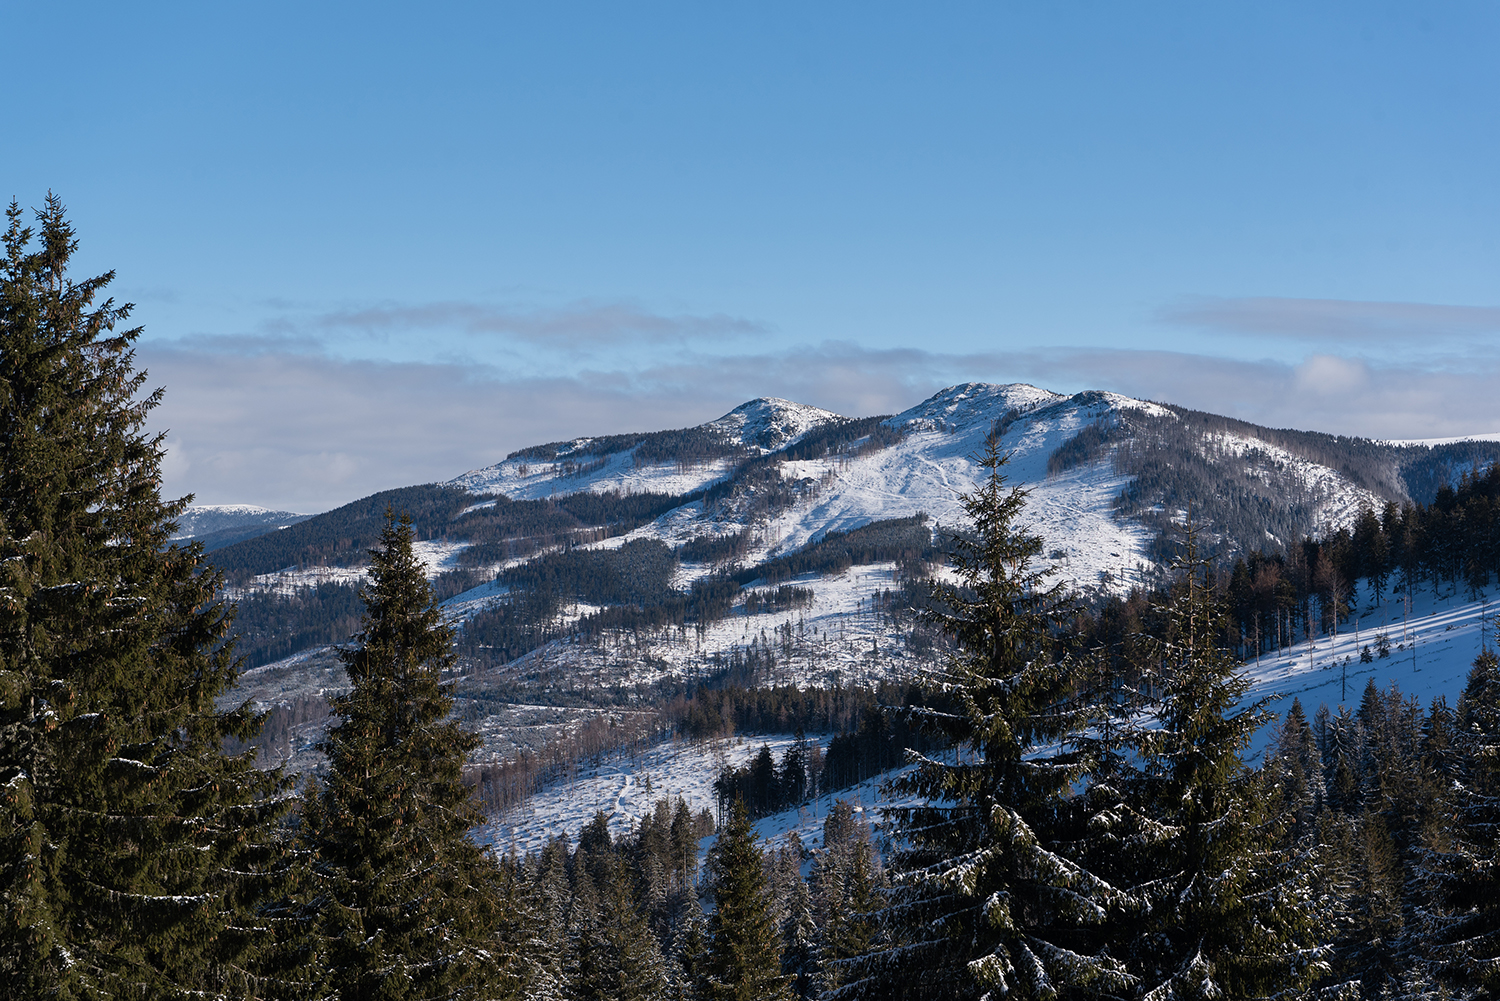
(1433, 643)
(840, 637)
(927, 471)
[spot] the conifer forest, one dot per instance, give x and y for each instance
(1077, 817)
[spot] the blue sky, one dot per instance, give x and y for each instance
(374, 245)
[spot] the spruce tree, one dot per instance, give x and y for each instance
(846, 877)
(617, 957)
(1217, 907)
(547, 874)
(405, 902)
(992, 896)
(1298, 771)
(743, 959)
(128, 839)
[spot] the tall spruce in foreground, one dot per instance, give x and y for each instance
(127, 837)
(991, 898)
(405, 902)
(1220, 907)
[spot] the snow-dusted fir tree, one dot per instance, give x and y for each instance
(990, 899)
(128, 840)
(742, 960)
(616, 957)
(1297, 770)
(405, 903)
(1219, 906)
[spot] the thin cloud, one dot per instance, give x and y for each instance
(280, 339)
(588, 322)
(1333, 319)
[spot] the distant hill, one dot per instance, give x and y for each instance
(220, 525)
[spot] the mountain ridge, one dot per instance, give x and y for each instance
(1109, 479)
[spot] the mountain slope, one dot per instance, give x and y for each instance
(711, 508)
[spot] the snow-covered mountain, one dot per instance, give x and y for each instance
(930, 462)
(739, 501)
(205, 519)
(769, 424)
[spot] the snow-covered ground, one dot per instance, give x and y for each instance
(626, 788)
(841, 637)
(1433, 646)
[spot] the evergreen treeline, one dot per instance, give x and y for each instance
(779, 599)
(695, 444)
(715, 548)
(726, 709)
(1277, 599)
(1452, 544)
(1397, 803)
(624, 917)
(637, 573)
(879, 744)
(271, 626)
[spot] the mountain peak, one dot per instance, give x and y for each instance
(972, 402)
(768, 423)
